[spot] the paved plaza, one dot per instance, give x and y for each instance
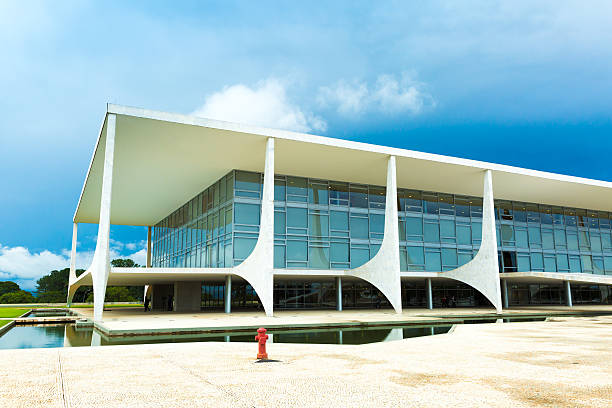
(562, 362)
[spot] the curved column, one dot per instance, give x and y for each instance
(72, 275)
(100, 266)
(383, 270)
(257, 269)
(482, 272)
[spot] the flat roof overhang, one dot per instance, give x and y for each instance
(163, 159)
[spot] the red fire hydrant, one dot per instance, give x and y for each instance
(261, 338)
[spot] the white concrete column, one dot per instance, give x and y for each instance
(482, 272)
(428, 294)
(148, 247)
(568, 293)
(100, 266)
(258, 268)
(505, 290)
(338, 293)
(72, 275)
(383, 270)
(228, 294)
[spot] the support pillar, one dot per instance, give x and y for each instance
(505, 290)
(72, 275)
(338, 293)
(228, 294)
(428, 294)
(100, 266)
(568, 293)
(148, 247)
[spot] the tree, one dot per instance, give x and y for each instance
(56, 281)
(8, 287)
(124, 263)
(21, 296)
(115, 294)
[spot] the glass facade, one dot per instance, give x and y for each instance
(533, 237)
(323, 224)
(438, 232)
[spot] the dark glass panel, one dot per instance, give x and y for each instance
(359, 196)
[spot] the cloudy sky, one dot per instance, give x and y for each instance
(516, 82)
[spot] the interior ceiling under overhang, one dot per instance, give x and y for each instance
(160, 164)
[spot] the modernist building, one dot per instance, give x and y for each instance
(241, 216)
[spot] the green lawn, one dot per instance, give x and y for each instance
(4, 322)
(12, 311)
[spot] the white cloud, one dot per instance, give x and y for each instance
(265, 104)
(388, 95)
(20, 265)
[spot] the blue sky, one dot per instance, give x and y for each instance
(516, 82)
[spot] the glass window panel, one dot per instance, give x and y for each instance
(557, 216)
(522, 263)
(432, 232)
(297, 217)
(582, 219)
(248, 181)
(476, 207)
(546, 217)
(414, 226)
(575, 264)
(606, 240)
(242, 247)
(318, 257)
(359, 196)
(377, 223)
(507, 234)
(572, 240)
(462, 207)
(245, 214)
(522, 240)
(339, 252)
(505, 210)
(319, 225)
(583, 240)
(413, 201)
(449, 257)
(533, 214)
(560, 241)
(430, 204)
(537, 262)
(359, 256)
(446, 204)
(547, 239)
(296, 250)
(339, 220)
(279, 256)
(402, 229)
(562, 262)
(318, 194)
(297, 186)
(476, 231)
(415, 255)
(598, 265)
(279, 223)
(519, 212)
(595, 242)
(403, 262)
(463, 258)
(535, 237)
(608, 264)
(338, 193)
(549, 264)
(570, 217)
(587, 264)
(432, 261)
(359, 228)
(464, 235)
(377, 197)
(279, 189)
(447, 228)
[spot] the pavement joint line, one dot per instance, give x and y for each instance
(61, 384)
